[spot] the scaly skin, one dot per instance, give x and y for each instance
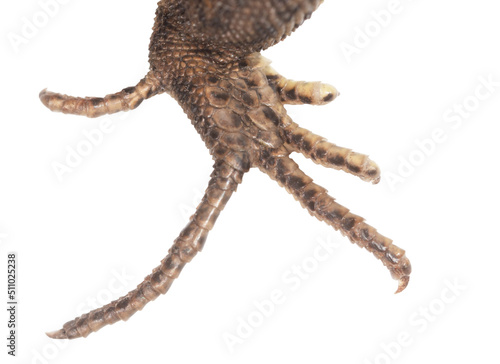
(204, 53)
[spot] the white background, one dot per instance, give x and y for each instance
(120, 209)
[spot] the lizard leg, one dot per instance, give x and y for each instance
(330, 155)
(223, 183)
(319, 204)
(92, 107)
(300, 92)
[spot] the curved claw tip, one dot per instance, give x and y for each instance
(403, 282)
(59, 334)
(44, 96)
(372, 172)
(328, 93)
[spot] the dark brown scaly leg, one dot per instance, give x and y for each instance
(300, 92)
(330, 155)
(190, 241)
(322, 206)
(92, 107)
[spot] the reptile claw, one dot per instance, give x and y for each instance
(59, 334)
(403, 282)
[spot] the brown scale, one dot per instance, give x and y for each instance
(204, 53)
